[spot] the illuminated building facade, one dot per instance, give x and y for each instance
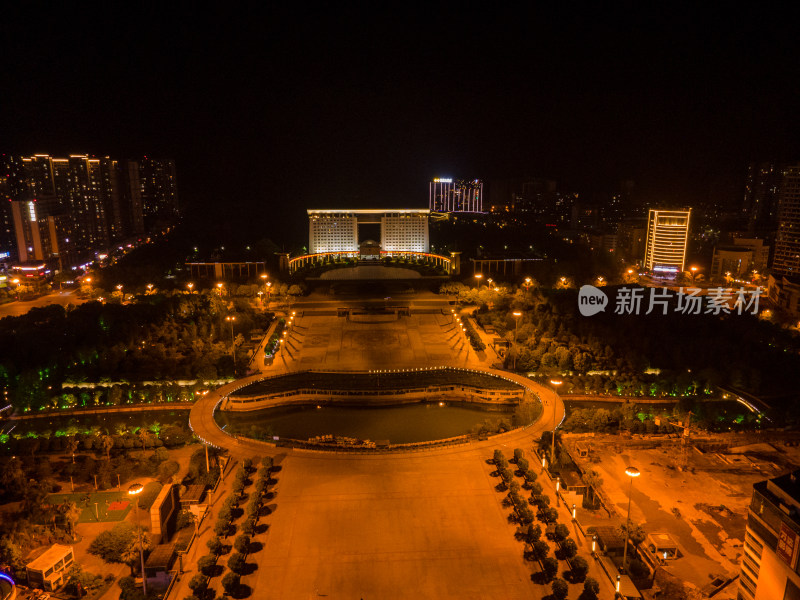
(42, 231)
(666, 241)
(402, 230)
(769, 568)
(787, 245)
(448, 195)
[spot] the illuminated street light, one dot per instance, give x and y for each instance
(190, 286)
(528, 283)
(633, 473)
(219, 287)
(555, 383)
(230, 320)
(135, 489)
(150, 288)
(516, 314)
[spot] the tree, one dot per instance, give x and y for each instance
(637, 533)
(550, 566)
(591, 588)
(197, 584)
(580, 567)
(236, 562)
(561, 532)
(518, 453)
(594, 481)
(242, 544)
(231, 583)
(215, 545)
(569, 547)
(498, 457)
(71, 515)
(132, 554)
(113, 544)
(533, 533)
(560, 588)
(206, 563)
(541, 549)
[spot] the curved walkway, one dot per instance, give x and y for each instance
(202, 423)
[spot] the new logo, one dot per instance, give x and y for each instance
(591, 300)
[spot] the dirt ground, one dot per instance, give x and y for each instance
(699, 495)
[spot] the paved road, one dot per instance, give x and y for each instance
(18, 308)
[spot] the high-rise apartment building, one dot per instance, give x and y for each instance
(762, 195)
(448, 195)
(43, 231)
(402, 230)
(769, 569)
(666, 241)
(12, 186)
(95, 201)
(787, 245)
(159, 190)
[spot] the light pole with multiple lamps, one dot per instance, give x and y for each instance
(230, 319)
(134, 490)
(633, 473)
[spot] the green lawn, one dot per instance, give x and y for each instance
(105, 502)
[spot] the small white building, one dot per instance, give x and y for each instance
(49, 571)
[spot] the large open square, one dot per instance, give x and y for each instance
(423, 526)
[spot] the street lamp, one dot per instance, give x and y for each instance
(528, 283)
(555, 383)
(633, 473)
(190, 286)
(479, 276)
(219, 287)
(230, 320)
(150, 288)
(517, 314)
(269, 285)
(135, 489)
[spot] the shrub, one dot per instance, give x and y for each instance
(267, 463)
(166, 470)
(111, 545)
(560, 588)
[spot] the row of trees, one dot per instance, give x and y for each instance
(159, 337)
(531, 533)
(243, 545)
(607, 353)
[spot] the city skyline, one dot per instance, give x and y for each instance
(346, 108)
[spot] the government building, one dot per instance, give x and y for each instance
(401, 230)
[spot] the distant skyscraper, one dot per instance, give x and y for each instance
(787, 245)
(447, 195)
(42, 231)
(762, 196)
(666, 241)
(12, 187)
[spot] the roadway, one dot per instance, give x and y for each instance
(21, 307)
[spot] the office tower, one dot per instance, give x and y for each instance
(132, 214)
(771, 541)
(666, 241)
(336, 230)
(762, 196)
(787, 244)
(447, 195)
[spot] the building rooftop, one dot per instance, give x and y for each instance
(160, 557)
(50, 556)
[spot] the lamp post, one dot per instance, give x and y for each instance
(528, 282)
(149, 288)
(219, 287)
(516, 314)
(555, 383)
(190, 285)
(230, 320)
(479, 276)
(633, 473)
(135, 489)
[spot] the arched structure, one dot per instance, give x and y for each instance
(438, 260)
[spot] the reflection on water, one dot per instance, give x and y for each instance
(403, 424)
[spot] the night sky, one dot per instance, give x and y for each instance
(282, 109)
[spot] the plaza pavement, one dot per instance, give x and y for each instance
(400, 525)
